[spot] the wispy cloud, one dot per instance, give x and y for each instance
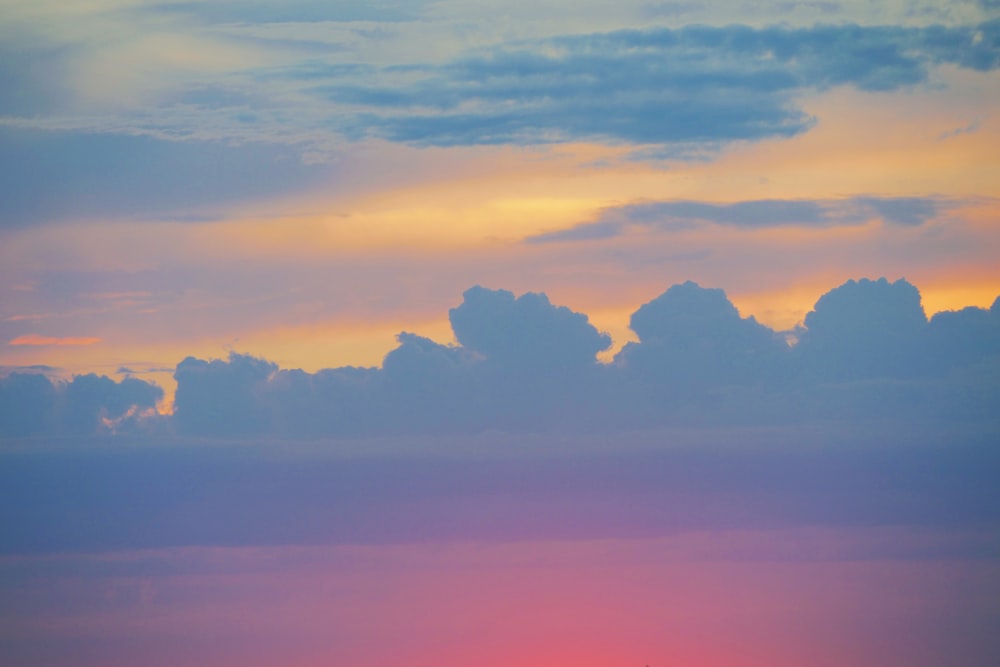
(35, 339)
(660, 86)
(698, 84)
(680, 215)
(971, 128)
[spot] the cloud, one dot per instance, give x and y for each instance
(523, 364)
(658, 86)
(492, 487)
(692, 342)
(907, 211)
(36, 340)
(33, 405)
(971, 128)
(864, 329)
(293, 11)
(222, 397)
(50, 176)
(525, 332)
(965, 337)
(26, 401)
(675, 94)
(680, 215)
(91, 402)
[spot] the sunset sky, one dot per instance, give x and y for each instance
(303, 180)
(360, 333)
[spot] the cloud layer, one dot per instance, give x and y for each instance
(866, 351)
(258, 120)
(697, 84)
(33, 405)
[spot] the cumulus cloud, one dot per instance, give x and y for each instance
(961, 338)
(862, 329)
(33, 405)
(692, 337)
(526, 331)
(222, 397)
(866, 351)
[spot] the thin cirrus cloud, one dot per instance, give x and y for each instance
(680, 215)
(37, 340)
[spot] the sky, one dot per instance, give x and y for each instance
(535, 333)
(301, 181)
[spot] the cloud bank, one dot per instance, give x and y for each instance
(522, 364)
(33, 405)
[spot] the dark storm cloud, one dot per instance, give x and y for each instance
(53, 176)
(662, 86)
(754, 214)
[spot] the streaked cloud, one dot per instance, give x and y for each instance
(35, 339)
(669, 216)
(694, 84)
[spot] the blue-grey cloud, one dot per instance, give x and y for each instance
(55, 176)
(694, 84)
(291, 11)
(691, 337)
(752, 214)
(671, 94)
(26, 403)
(222, 397)
(866, 351)
(526, 331)
(865, 329)
(493, 487)
(522, 364)
(33, 405)
(971, 128)
(32, 78)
